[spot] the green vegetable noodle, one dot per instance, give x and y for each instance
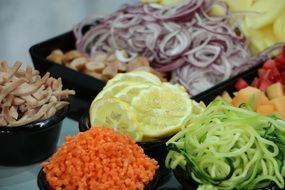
(226, 147)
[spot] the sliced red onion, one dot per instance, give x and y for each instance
(199, 50)
(206, 56)
(173, 12)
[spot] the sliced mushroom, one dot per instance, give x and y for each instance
(95, 66)
(111, 70)
(69, 56)
(13, 112)
(9, 87)
(26, 97)
(40, 93)
(29, 117)
(95, 75)
(137, 62)
(78, 64)
(99, 57)
(18, 101)
(56, 56)
(8, 72)
(63, 93)
(2, 120)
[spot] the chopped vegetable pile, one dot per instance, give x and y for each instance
(273, 70)
(99, 159)
(266, 94)
(230, 148)
(26, 97)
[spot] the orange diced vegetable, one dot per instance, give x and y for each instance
(249, 95)
(99, 159)
(266, 109)
(279, 104)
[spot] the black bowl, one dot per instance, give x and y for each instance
(44, 185)
(184, 179)
(31, 143)
(154, 149)
(189, 184)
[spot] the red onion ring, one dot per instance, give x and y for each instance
(196, 48)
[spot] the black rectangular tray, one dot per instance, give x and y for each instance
(227, 85)
(88, 87)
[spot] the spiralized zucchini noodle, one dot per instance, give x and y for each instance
(230, 148)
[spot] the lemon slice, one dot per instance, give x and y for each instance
(111, 112)
(128, 93)
(112, 90)
(174, 87)
(162, 110)
(135, 76)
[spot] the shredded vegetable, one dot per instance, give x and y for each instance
(200, 50)
(230, 148)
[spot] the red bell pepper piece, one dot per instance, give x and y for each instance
(280, 58)
(256, 82)
(264, 83)
(240, 84)
(274, 75)
(269, 64)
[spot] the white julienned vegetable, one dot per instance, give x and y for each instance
(230, 148)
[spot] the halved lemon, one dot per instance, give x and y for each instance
(112, 112)
(128, 93)
(162, 110)
(112, 90)
(135, 76)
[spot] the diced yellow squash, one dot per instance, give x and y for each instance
(219, 98)
(226, 97)
(279, 104)
(250, 95)
(264, 99)
(275, 90)
(266, 109)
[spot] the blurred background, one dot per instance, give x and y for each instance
(25, 23)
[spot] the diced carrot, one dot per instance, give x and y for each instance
(99, 159)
